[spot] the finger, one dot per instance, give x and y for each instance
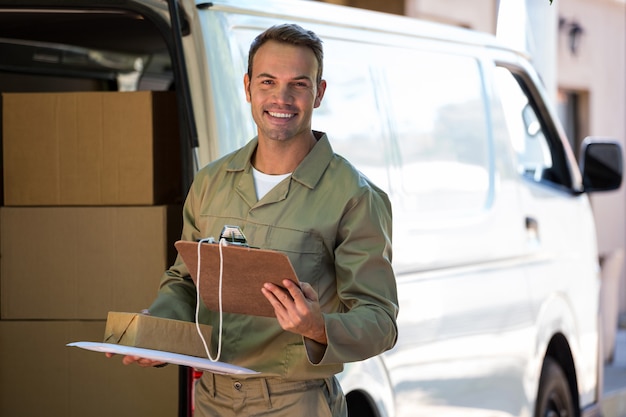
(293, 289)
(270, 294)
(282, 295)
(308, 291)
(127, 360)
(144, 362)
(147, 363)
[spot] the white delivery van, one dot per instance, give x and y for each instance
(494, 239)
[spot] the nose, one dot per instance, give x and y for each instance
(283, 94)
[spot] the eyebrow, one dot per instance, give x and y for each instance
(299, 77)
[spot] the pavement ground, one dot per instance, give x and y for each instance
(614, 396)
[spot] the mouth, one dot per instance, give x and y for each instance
(280, 115)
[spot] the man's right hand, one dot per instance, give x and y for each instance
(143, 362)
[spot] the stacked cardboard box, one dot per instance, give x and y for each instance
(79, 263)
(90, 149)
(92, 196)
(40, 376)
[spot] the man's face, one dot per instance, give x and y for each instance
(283, 91)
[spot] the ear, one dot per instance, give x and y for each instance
(321, 88)
(246, 86)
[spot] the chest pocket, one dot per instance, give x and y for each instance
(304, 249)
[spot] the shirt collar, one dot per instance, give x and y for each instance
(308, 173)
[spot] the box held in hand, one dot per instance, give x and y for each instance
(149, 332)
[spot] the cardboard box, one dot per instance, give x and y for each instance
(40, 376)
(91, 148)
(82, 262)
(139, 330)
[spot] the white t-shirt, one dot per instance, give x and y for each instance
(263, 183)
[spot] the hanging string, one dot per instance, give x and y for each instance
(222, 242)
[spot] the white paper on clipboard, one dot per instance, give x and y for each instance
(159, 355)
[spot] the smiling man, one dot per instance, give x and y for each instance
(288, 191)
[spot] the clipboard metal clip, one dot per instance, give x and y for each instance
(233, 236)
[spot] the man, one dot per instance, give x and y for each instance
(289, 192)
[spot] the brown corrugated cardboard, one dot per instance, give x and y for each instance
(82, 262)
(140, 330)
(40, 376)
(1, 159)
(90, 148)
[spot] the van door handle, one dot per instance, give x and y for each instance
(532, 228)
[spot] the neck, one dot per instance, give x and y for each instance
(281, 157)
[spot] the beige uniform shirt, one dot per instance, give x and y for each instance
(334, 225)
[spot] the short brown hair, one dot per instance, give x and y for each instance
(292, 34)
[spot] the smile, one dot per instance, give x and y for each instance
(281, 115)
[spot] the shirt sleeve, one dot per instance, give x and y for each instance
(365, 283)
(176, 298)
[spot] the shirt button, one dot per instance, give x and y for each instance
(237, 385)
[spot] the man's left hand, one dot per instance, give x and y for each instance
(297, 309)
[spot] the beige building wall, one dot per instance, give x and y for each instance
(599, 69)
(477, 15)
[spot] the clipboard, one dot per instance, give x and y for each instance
(245, 270)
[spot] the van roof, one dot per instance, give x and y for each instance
(317, 12)
(18, 25)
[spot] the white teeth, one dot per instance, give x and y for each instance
(281, 115)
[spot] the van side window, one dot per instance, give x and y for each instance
(437, 102)
(352, 113)
(536, 158)
(415, 123)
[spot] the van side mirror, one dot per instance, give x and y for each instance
(601, 164)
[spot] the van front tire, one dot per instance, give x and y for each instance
(554, 398)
